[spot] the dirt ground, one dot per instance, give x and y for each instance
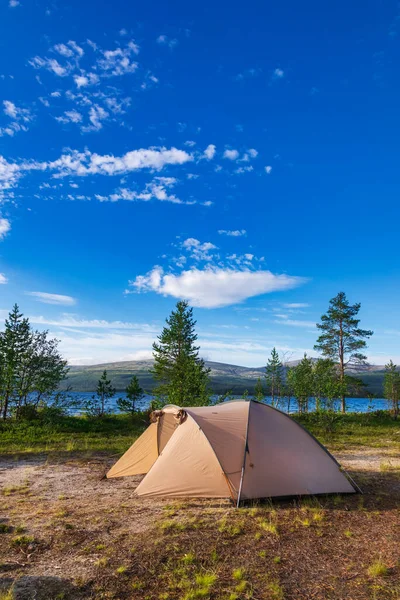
(67, 533)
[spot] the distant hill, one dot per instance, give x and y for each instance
(224, 377)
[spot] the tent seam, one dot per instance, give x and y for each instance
(244, 456)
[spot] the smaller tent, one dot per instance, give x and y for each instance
(240, 450)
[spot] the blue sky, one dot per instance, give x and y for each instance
(244, 157)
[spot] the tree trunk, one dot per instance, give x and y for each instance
(341, 362)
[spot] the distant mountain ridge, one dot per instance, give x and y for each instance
(224, 377)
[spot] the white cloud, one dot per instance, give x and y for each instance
(3, 278)
(97, 115)
(296, 305)
(13, 3)
(268, 169)
(241, 170)
(58, 299)
(283, 320)
(107, 63)
(51, 64)
(164, 40)
(209, 152)
(278, 74)
(231, 154)
(86, 79)
(118, 62)
(70, 116)
(88, 163)
(20, 117)
(5, 227)
(9, 175)
(199, 251)
(232, 232)
(67, 320)
(157, 189)
(69, 50)
(214, 287)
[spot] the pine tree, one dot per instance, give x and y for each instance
(341, 339)
(134, 393)
(259, 391)
(183, 378)
(391, 387)
(97, 405)
(15, 342)
(274, 374)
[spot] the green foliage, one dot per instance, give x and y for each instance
(326, 384)
(274, 375)
(97, 405)
(341, 338)
(31, 368)
(391, 387)
(184, 380)
(259, 391)
(134, 393)
(300, 379)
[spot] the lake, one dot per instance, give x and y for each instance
(360, 405)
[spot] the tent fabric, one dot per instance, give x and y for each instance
(180, 471)
(140, 457)
(283, 459)
(240, 449)
(225, 427)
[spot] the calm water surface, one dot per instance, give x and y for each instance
(360, 405)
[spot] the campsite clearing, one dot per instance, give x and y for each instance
(60, 520)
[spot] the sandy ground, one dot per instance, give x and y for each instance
(74, 514)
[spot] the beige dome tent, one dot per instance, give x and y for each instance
(240, 450)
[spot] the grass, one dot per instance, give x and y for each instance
(376, 430)
(23, 541)
(113, 434)
(378, 569)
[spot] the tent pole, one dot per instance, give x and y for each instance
(355, 485)
(244, 458)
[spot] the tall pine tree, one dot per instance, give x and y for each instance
(181, 373)
(274, 375)
(15, 343)
(341, 338)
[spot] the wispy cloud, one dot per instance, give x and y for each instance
(284, 320)
(232, 232)
(58, 299)
(3, 278)
(5, 227)
(199, 251)
(296, 305)
(157, 189)
(19, 118)
(278, 74)
(164, 40)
